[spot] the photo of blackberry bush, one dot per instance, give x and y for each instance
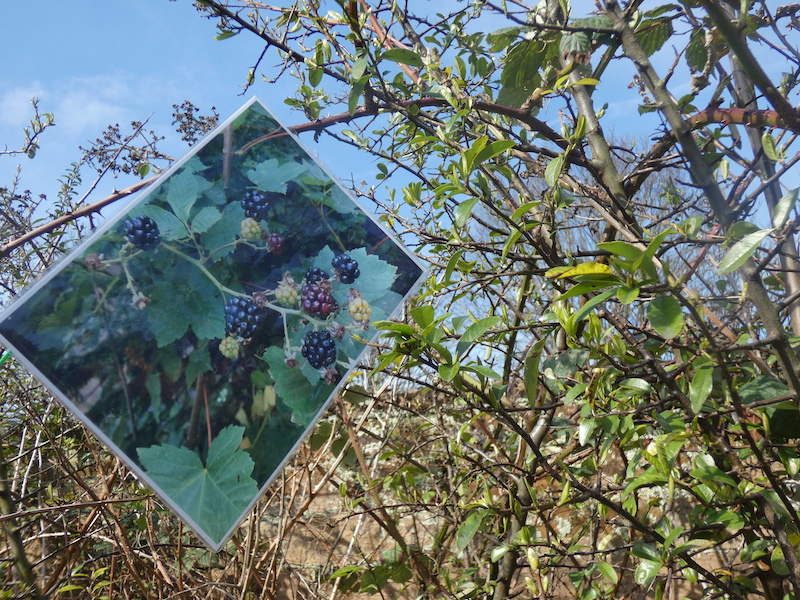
(201, 333)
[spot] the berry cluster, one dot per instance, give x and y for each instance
(242, 317)
(316, 300)
(346, 268)
(142, 232)
(255, 204)
(319, 349)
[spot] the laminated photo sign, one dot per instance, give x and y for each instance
(202, 333)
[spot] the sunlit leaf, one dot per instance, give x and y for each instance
(666, 316)
(741, 251)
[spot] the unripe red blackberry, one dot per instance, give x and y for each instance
(275, 243)
(317, 301)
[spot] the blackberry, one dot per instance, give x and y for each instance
(316, 300)
(255, 205)
(142, 232)
(242, 317)
(275, 243)
(251, 230)
(316, 274)
(346, 268)
(319, 349)
(229, 347)
(359, 309)
(288, 292)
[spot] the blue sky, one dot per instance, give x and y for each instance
(97, 62)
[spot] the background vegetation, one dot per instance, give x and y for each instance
(595, 394)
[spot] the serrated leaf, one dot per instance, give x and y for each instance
(696, 51)
(205, 219)
(184, 188)
(170, 227)
(653, 34)
(741, 251)
(665, 316)
(272, 176)
(784, 208)
(403, 56)
(214, 495)
(294, 387)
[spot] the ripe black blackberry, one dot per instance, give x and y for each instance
(242, 317)
(256, 204)
(316, 300)
(319, 349)
(142, 232)
(315, 274)
(346, 268)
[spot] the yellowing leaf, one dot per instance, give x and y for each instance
(590, 268)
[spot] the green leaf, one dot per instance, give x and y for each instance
(468, 529)
(227, 33)
(646, 572)
(701, 385)
(531, 371)
(464, 211)
(696, 51)
(784, 207)
(607, 571)
(448, 372)
(478, 328)
(665, 316)
(589, 305)
(763, 387)
(493, 149)
(553, 170)
(403, 56)
(712, 474)
(294, 387)
(214, 495)
(653, 34)
(741, 251)
(205, 219)
(771, 148)
(423, 315)
(170, 227)
(184, 188)
(272, 176)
